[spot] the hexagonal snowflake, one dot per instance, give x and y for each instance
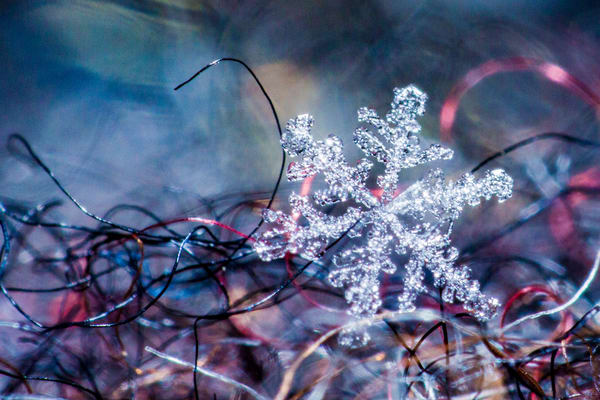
(416, 223)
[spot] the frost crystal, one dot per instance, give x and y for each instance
(416, 223)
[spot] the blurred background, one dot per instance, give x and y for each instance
(90, 85)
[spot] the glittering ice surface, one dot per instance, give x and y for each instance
(416, 223)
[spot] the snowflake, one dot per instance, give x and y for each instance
(416, 223)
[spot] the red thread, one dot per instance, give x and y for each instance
(552, 72)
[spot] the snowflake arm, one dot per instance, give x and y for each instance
(287, 236)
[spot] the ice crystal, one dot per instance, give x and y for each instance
(416, 223)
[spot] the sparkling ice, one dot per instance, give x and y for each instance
(416, 223)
